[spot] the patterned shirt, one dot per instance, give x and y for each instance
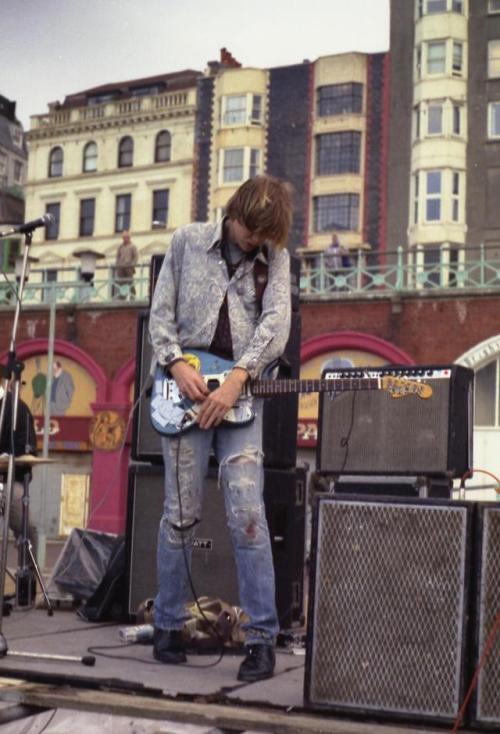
(191, 287)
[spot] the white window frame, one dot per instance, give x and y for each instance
(435, 44)
(493, 112)
(432, 196)
(436, 105)
(457, 69)
(250, 112)
(493, 6)
(251, 164)
(455, 196)
(494, 58)
(416, 202)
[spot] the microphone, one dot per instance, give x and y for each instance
(30, 226)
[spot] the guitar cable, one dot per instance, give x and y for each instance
(181, 529)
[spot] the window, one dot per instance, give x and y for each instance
(415, 198)
(163, 145)
(436, 6)
(235, 110)
(457, 62)
(436, 57)
(457, 119)
(52, 229)
(90, 158)
(338, 153)
(494, 58)
(418, 62)
(440, 6)
(49, 276)
(435, 118)
(494, 6)
(336, 212)
(160, 206)
(125, 152)
(232, 165)
(56, 159)
(18, 171)
(433, 197)
(87, 215)
(340, 99)
(254, 162)
(256, 115)
(486, 395)
(122, 212)
(455, 196)
(241, 109)
(417, 122)
(494, 120)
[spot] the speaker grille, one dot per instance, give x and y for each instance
(488, 690)
(372, 432)
(388, 625)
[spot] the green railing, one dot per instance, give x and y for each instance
(401, 271)
(385, 274)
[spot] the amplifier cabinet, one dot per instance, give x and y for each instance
(372, 432)
(388, 607)
(486, 704)
(213, 567)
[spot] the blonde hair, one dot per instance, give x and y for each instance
(264, 206)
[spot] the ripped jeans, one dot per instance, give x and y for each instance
(241, 477)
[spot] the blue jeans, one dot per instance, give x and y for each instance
(241, 477)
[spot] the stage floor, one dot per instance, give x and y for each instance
(127, 690)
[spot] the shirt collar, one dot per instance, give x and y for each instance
(216, 239)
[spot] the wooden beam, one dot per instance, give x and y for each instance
(230, 716)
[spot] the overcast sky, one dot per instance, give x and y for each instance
(51, 48)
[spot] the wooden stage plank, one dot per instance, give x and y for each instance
(239, 718)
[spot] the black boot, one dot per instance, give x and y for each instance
(169, 646)
(258, 663)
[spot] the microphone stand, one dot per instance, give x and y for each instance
(14, 369)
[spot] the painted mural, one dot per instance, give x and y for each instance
(71, 394)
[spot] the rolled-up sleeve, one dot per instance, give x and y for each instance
(273, 328)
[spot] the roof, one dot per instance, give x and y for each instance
(122, 90)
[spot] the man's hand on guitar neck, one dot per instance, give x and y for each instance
(217, 403)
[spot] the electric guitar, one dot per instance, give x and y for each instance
(172, 413)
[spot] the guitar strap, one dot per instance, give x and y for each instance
(260, 276)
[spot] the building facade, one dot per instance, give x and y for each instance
(115, 158)
(444, 165)
(13, 164)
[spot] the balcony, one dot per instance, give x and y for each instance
(118, 109)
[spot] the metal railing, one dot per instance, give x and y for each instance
(370, 274)
(401, 271)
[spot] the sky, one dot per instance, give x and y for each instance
(52, 48)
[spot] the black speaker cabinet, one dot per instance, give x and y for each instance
(388, 607)
(213, 568)
(486, 705)
(280, 412)
(374, 432)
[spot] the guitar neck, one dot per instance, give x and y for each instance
(266, 388)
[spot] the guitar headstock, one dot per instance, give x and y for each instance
(400, 387)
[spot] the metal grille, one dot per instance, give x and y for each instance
(488, 694)
(404, 436)
(388, 613)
